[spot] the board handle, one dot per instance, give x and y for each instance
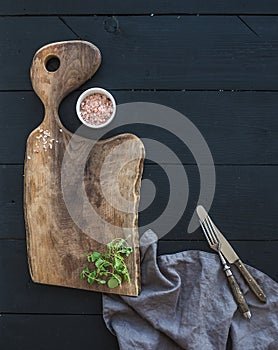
(76, 62)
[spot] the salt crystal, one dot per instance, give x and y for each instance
(96, 109)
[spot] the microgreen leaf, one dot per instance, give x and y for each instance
(90, 279)
(118, 278)
(96, 256)
(113, 282)
(99, 262)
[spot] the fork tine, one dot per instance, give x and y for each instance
(212, 230)
(208, 233)
(208, 238)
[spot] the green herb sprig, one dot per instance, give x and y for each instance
(109, 267)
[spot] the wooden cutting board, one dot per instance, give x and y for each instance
(61, 228)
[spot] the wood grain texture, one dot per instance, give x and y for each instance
(210, 52)
(86, 7)
(238, 296)
(58, 238)
(250, 280)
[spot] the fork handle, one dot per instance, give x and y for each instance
(237, 293)
(250, 280)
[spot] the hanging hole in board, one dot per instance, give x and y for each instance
(52, 63)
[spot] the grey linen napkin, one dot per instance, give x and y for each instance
(186, 303)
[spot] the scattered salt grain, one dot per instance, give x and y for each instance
(44, 141)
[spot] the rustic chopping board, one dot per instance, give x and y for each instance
(62, 224)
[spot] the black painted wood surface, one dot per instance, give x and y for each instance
(160, 52)
(72, 7)
(215, 62)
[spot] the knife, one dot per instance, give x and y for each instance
(232, 257)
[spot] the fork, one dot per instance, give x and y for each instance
(215, 244)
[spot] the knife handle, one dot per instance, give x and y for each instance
(250, 280)
(237, 293)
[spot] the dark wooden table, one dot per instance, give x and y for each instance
(215, 62)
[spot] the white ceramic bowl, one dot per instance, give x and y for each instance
(92, 91)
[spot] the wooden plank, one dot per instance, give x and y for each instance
(86, 7)
(240, 128)
(11, 203)
(246, 191)
(21, 295)
(46, 332)
(16, 56)
(159, 52)
(24, 296)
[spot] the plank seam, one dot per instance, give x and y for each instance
(159, 90)
(47, 314)
(146, 14)
(69, 27)
(248, 26)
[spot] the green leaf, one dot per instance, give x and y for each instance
(107, 256)
(119, 278)
(82, 275)
(99, 262)
(118, 263)
(101, 281)
(87, 269)
(113, 282)
(129, 251)
(122, 250)
(90, 279)
(123, 271)
(95, 256)
(103, 273)
(93, 273)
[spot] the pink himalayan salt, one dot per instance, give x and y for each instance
(96, 109)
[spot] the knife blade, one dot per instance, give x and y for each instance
(229, 253)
